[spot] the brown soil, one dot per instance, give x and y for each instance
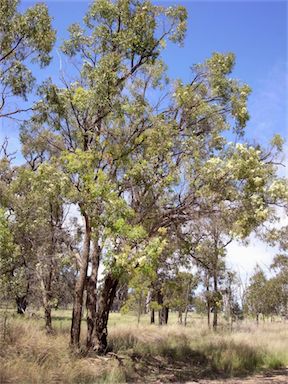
(273, 377)
(157, 370)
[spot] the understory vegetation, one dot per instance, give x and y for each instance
(145, 352)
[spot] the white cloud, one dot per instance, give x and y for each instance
(243, 259)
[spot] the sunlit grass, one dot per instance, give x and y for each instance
(174, 352)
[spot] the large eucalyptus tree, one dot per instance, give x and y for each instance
(141, 170)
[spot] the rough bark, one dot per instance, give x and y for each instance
(79, 287)
(163, 313)
(105, 301)
(91, 300)
(48, 319)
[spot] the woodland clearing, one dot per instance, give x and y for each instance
(145, 353)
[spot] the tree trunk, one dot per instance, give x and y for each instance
(91, 299)
(45, 285)
(161, 318)
(180, 317)
(215, 301)
(165, 314)
(187, 303)
(79, 288)
(47, 307)
(48, 319)
(215, 318)
(152, 298)
(106, 299)
(185, 316)
(21, 303)
(46, 271)
(139, 308)
(152, 317)
(208, 304)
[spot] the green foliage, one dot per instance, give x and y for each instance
(179, 291)
(24, 37)
(256, 295)
(10, 280)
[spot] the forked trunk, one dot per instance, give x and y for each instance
(163, 313)
(105, 301)
(79, 288)
(21, 303)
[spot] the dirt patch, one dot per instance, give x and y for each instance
(273, 377)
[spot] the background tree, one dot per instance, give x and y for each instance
(179, 293)
(279, 266)
(256, 294)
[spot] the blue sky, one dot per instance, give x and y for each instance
(256, 31)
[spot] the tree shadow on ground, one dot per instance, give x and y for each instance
(214, 362)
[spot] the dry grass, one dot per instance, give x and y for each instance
(172, 353)
(28, 355)
(198, 352)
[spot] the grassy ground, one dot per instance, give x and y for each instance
(141, 353)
